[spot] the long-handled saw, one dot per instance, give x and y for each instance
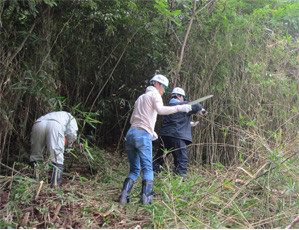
(200, 100)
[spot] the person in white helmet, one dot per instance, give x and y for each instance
(176, 133)
(139, 137)
(52, 131)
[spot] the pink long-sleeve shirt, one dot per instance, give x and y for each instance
(146, 109)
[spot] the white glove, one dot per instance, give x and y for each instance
(184, 108)
(194, 123)
(155, 136)
(203, 112)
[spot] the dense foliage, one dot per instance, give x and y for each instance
(93, 58)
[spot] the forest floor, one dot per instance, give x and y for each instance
(209, 197)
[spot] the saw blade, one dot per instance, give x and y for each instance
(200, 100)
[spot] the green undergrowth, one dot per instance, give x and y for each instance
(257, 195)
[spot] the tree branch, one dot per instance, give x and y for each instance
(194, 12)
(111, 74)
(184, 44)
(25, 39)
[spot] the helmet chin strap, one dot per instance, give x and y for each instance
(159, 86)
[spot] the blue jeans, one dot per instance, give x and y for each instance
(139, 150)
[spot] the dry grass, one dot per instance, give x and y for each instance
(261, 196)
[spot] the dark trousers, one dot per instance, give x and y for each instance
(179, 155)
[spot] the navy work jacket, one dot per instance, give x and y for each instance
(178, 125)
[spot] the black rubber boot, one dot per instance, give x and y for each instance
(124, 198)
(147, 192)
(56, 175)
(36, 169)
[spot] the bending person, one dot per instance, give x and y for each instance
(52, 131)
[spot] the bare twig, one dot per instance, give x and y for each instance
(135, 222)
(12, 175)
(111, 74)
(122, 132)
(12, 169)
(207, 226)
(55, 41)
(100, 68)
(174, 213)
(293, 223)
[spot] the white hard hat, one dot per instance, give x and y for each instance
(161, 79)
(178, 90)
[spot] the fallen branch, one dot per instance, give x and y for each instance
(243, 187)
(134, 222)
(56, 212)
(207, 226)
(12, 170)
(174, 213)
(25, 219)
(293, 223)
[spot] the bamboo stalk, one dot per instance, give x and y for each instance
(25, 219)
(39, 189)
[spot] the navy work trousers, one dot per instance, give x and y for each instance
(179, 152)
